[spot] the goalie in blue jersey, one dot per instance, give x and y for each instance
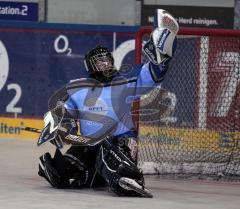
(100, 109)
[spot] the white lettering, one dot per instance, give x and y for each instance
(14, 11)
(115, 155)
(11, 107)
(62, 47)
(185, 21)
(11, 11)
(24, 10)
(197, 21)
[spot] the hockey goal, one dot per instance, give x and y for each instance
(191, 125)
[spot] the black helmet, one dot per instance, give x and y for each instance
(100, 64)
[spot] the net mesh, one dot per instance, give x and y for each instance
(190, 126)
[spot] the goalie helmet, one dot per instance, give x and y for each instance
(99, 63)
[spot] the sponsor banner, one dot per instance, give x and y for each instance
(193, 16)
(20, 11)
(36, 62)
(183, 140)
(11, 128)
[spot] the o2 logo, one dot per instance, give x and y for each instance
(61, 45)
(4, 66)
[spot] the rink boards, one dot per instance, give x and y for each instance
(188, 139)
(150, 136)
(11, 128)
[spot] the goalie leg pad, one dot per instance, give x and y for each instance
(111, 165)
(62, 171)
(86, 156)
(48, 170)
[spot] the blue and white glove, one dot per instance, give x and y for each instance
(163, 38)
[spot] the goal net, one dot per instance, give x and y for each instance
(190, 126)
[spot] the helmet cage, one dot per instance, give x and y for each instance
(101, 62)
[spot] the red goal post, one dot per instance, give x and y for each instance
(202, 133)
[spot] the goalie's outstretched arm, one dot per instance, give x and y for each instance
(159, 51)
(162, 42)
(160, 47)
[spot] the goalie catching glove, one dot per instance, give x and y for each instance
(161, 45)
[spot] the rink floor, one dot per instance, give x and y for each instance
(21, 188)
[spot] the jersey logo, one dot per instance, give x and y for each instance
(96, 109)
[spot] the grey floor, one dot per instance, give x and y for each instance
(20, 187)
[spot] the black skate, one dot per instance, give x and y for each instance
(131, 184)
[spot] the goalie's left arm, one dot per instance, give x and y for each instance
(161, 45)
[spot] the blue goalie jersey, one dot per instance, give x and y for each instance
(105, 108)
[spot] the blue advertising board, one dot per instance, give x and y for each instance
(36, 62)
(18, 11)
